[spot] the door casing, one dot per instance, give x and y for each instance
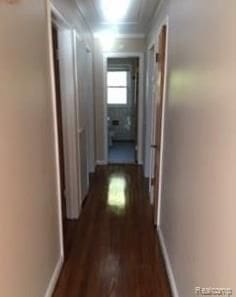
(66, 57)
(159, 121)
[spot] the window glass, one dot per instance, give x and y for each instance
(117, 79)
(117, 84)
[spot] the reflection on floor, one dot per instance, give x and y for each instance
(122, 152)
(115, 251)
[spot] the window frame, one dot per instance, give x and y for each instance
(127, 104)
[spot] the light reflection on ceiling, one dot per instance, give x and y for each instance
(115, 10)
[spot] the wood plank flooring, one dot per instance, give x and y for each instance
(115, 251)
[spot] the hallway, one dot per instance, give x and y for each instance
(115, 250)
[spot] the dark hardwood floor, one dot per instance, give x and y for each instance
(115, 251)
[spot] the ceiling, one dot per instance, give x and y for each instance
(135, 22)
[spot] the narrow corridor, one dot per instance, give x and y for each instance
(115, 250)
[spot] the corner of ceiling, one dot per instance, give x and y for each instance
(153, 17)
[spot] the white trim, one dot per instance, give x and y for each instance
(105, 127)
(60, 19)
(80, 13)
(68, 120)
(151, 46)
(131, 35)
(55, 125)
(76, 41)
(168, 265)
(91, 114)
(54, 278)
(153, 118)
(150, 74)
(56, 273)
(101, 163)
(140, 115)
(162, 146)
(152, 24)
(123, 36)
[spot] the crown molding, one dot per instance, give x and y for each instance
(154, 16)
(82, 16)
(124, 36)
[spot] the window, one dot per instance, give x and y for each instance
(117, 87)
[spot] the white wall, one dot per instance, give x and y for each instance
(198, 199)
(121, 45)
(29, 226)
(70, 11)
(29, 218)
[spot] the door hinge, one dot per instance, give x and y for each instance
(157, 57)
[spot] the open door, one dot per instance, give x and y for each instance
(82, 109)
(160, 59)
(59, 117)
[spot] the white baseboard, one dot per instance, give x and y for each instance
(54, 278)
(101, 162)
(168, 264)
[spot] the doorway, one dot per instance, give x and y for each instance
(122, 109)
(160, 82)
(62, 56)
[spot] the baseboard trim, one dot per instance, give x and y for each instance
(169, 269)
(54, 278)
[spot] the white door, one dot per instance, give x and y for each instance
(68, 97)
(152, 116)
(82, 114)
(91, 113)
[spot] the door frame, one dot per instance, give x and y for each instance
(52, 79)
(163, 120)
(59, 117)
(72, 193)
(91, 114)
(140, 115)
(150, 115)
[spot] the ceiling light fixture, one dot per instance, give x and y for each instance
(115, 10)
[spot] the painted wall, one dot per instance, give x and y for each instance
(70, 11)
(29, 226)
(122, 45)
(198, 198)
(29, 220)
